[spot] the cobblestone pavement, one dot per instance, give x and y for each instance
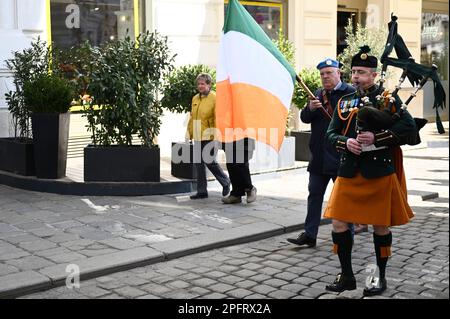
(272, 268)
(41, 231)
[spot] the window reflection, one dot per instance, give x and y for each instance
(268, 16)
(434, 49)
(74, 21)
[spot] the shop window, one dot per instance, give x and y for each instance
(74, 21)
(434, 48)
(269, 15)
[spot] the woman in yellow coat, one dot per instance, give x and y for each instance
(201, 129)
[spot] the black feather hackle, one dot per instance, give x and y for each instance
(364, 49)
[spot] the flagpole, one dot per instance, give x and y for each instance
(311, 94)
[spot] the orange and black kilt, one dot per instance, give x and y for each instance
(379, 201)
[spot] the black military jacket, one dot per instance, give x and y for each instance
(375, 163)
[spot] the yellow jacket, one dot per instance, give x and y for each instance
(202, 122)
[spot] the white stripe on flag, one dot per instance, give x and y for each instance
(244, 60)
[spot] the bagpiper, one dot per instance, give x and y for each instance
(371, 187)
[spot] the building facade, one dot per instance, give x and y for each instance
(316, 27)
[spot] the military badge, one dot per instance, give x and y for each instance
(344, 106)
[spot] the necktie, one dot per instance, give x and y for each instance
(326, 102)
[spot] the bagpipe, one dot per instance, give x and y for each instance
(372, 118)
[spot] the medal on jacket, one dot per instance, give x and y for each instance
(344, 106)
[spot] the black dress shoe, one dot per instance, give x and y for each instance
(303, 239)
(377, 288)
(198, 196)
(342, 283)
(226, 190)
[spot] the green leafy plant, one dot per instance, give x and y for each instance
(48, 94)
(356, 38)
(77, 64)
(286, 47)
(311, 77)
(180, 87)
(124, 85)
(26, 65)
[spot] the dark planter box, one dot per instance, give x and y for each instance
(182, 161)
(121, 164)
(17, 156)
(50, 138)
(302, 152)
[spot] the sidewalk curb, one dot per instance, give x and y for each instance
(13, 285)
(67, 187)
(430, 196)
(25, 282)
(186, 246)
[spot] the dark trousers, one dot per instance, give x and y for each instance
(239, 172)
(209, 162)
(317, 186)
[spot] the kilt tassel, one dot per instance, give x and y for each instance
(385, 252)
(335, 248)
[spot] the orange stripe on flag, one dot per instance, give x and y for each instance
(247, 107)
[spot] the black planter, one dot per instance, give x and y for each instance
(182, 161)
(17, 156)
(50, 138)
(302, 152)
(121, 164)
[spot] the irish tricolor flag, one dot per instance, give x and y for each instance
(255, 82)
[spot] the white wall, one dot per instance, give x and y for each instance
(313, 28)
(20, 22)
(193, 27)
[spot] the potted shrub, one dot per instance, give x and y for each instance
(124, 86)
(48, 97)
(311, 77)
(179, 88)
(16, 152)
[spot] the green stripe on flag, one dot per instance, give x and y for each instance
(239, 20)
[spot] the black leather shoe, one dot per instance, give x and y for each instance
(376, 288)
(303, 239)
(199, 196)
(342, 283)
(226, 190)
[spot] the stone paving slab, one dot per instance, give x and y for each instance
(22, 282)
(92, 267)
(185, 246)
